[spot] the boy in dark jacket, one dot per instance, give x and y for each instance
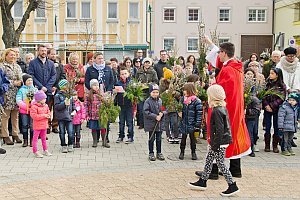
(153, 116)
(126, 113)
(64, 111)
(252, 115)
(220, 138)
(287, 122)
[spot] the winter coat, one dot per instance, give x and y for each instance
(273, 100)
(108, 77)
(37, 111)
(92, 108)
(79, 73)
(152, 107)
(24, 98)
(13, 72)
(253, 109)
(147, 76)
(63, 112)
(44, 75)
(287, 117)
(191, 116)
(4, 86)
(23, 66)
(80, 112)
(158, 67)
(60, 73)
(120, 100)
(220, 132)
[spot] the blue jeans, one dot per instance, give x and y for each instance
(63, 126)
(126, 115)
(171, 122)
(26, 123)
(251, 126)
(156, 136)
(268, 120)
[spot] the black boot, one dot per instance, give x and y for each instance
(95, 143)
(214, 175)
(275, 143)
(232, 189)
(2, 151)
(25, 143)
(199, 185)
(194, 156)
(181, 155)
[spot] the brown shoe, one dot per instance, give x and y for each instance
(7, 141)
(25, 143)
(17, 139)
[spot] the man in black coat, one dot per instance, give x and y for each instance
(158, 67)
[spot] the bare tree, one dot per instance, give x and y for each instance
(11, 34)
(88, 36)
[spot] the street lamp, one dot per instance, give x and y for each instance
(149, 10)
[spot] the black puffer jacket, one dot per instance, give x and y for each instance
(191, 116)
(152, 108)
(220, 132)
(158, 67)
(253, 109)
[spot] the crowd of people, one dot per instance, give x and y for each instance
(36, 99)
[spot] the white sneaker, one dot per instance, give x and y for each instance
(70, 148)
(64, 149)
(47, 153)
(256, 149)
(38, 155)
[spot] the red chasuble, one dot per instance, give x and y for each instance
(231, 78)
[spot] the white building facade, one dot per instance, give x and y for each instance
(246, 23)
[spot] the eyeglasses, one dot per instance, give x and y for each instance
(291, 56)
(140, 52)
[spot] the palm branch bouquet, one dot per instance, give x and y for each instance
(202, 94)
(172, 60)
(108, 112)
(249, 86)
(262, 92)
(170, 96)
(135, 91)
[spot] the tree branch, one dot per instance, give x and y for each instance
(33, 4)
(12, 3)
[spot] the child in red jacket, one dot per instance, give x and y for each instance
(40, 114)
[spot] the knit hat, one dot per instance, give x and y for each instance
(89, 56)
(294, 95)
(62, 83)
(290, 50)
(25, 77)
(153, 87)
(216, 96)
(40, 95)
(94, 82)
(168, 74)
(147, 60)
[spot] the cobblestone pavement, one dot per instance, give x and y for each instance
(124, 172)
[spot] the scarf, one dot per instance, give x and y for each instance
(188, 100)
(287, 66)
(99, 68)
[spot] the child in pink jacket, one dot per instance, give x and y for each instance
(40, 114)
(78, 119)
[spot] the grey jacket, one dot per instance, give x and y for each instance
(152, 107)
(287, 117)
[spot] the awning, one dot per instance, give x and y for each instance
(135, 46)
(113, 47)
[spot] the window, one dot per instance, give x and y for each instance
(169, 44)
(224, 15)
(40, 11)
(18, 9)
(193, 15)
(71, 10)
(86, 10)
(133, 10)
(257, 15)
(112, 10)
(169, 14)
(222, 40)
(192, 45)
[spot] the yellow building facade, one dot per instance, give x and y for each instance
(116, 27)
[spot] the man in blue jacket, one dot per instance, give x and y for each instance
(43, 73)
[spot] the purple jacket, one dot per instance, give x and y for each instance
(273, 100)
